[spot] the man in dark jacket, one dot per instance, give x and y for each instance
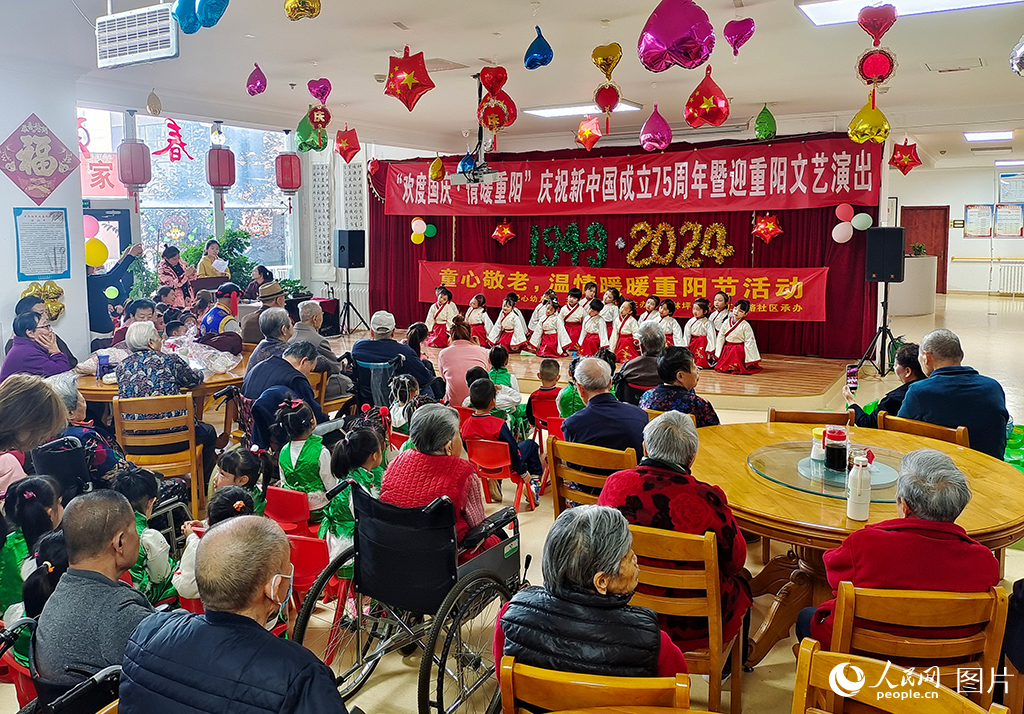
(605, 421)
(954, 395)
(641, 371)
(224, 660)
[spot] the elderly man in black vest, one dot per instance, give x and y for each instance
(581, 620)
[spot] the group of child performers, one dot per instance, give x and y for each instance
(720, 338)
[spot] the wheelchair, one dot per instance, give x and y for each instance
(401, 587)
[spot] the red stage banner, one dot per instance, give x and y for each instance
(789, 175)
(774, 293)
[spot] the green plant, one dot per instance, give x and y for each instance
(146, 282)
(918, 249)
(293, 287)
(233, 245)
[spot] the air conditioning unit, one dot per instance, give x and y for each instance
(137, 36)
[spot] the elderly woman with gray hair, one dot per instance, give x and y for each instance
(922, 549)
(660, 492)
(148, 372)
(102, 452)
(581, 620)
(434, 468)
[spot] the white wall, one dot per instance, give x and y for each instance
(51, 96)
(956, 188)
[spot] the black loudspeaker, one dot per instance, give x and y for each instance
(885, 255)
(350, 249)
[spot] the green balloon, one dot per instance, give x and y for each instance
(861, 221)
(309, 139)
(111, 292)
(431, 230)
(764, 125)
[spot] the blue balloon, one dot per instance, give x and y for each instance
(467, 164)
(185, 14)
(539, 53)
(210, 11)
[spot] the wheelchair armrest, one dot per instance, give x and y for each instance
(488, 527)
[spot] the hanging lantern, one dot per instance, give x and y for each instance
(134, 166)
(289, 175)
(220, 170)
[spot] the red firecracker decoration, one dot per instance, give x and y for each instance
(588, 133)
(904, 157)
(767, 227)
(319, 116)
(707, 105)
(503, 233)
(408, 79)
(346, 143)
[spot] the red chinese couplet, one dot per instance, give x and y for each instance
(774, 293)
(789, 175)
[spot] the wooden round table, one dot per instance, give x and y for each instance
(96, 391)
(813, 523)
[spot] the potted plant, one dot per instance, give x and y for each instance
(918, 249)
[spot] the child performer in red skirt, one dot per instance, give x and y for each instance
(650, 309)
(589, 293)
(549, 337)
(612, 303)
(572, 314)
(623, 331)
(736, 351)
(594, 330)
(478, 320)
(699, 334)
(720, 312)
(665, 316)
(509, 331)
(439, 318)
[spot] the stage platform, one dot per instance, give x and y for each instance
(786, 382)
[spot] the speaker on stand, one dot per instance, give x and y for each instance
(884, 264)
(350, 252)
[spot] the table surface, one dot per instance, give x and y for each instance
(627, 709)
(96, 391)
(995, 515)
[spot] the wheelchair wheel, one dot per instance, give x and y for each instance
(457, 672)
(345, 629)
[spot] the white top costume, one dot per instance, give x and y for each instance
(511, 321)
(623, 327)
(652, 315)
(696, 327)
(718, 319)
(505, 398)
(441, 314)
(740, 332)
(609, 312)
(551, 325)
(670, 326)
(595, 325)
(572, 313)
(479, 316)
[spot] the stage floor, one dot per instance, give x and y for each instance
(786, 382)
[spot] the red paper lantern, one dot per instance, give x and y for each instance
(289, 173)
(134, 167)
(220, 168)
(607, 97)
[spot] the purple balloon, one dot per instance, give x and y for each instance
(737, 32)
(257, 82)
(656, 134)
(677, 32)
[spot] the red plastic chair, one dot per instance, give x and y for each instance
(195, 606)
(543, 411)
(464, 414)
(290, 509)
(310, 557)
(398, 440)
(24, 688)
(554, 427)
(493, 461)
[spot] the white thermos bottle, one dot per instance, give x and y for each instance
(858, 490)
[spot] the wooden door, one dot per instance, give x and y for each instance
(928, 225)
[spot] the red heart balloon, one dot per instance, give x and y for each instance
(493, 78)
(876, 21)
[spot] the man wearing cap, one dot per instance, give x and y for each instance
(271, 295)
(383, 348)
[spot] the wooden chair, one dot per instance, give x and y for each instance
(956, 436)
(694, 569)
(859, 610)
(813, 694)
(551, 690)
(178, 463)
(319, 380)
(796, 417)
(566, 464)
(109, 709)
(1014, 698)
(653, 414)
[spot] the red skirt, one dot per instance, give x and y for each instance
(506, 341)
(668, 340)
(591, 344)
(699, 347)
(625, 348)
(574, 329)
(549, 345)
(732, 362)
(480, 333)
(438, 337)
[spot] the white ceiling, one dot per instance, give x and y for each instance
(806, 74)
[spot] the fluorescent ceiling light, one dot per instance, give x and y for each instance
(833, 12)
(576, 110)
(988, 135)
(1010, 162)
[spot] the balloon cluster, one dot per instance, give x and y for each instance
(843, 231)
(679, 32)
(497, 111)
(408, 79)
(50, 293)
(311, 133)
(191, 18)
(421, 229)
(608, 94)
(96, 252)
(874, 67)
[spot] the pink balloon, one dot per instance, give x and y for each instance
(257, 82)
(656, 134)
(677, 32)
(737, 32)
(320, 89)
(91, 226)
(842, 232)
(844, 212)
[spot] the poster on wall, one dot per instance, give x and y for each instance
(1009, 220)
(43, 243)
(978, 220)
(1011, 188)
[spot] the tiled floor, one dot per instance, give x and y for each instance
(990, 329)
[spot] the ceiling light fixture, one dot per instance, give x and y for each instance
(576, 110)
(988, 135)
(834, 12)
(1010, 162)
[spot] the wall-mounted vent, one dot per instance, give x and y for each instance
(143, 35)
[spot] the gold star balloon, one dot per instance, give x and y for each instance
(707, 104)
(408, 79)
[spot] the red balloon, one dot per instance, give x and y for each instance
(346, 143)
(607, 97)
(373, 166)
(904, 157)
(844, 212)
(588, 133)
(876, 21)
(493, 78)
(707, 105)
(503, 233)
(767, 227)
(408, 79)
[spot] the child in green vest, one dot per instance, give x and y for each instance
(248, 470)
(151, 574)
(33, 508)
(499, 374)
(305, 463)
(569, 399)
(359, 456)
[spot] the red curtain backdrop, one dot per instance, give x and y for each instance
(805, 242)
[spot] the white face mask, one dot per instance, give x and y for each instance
(282, 610)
